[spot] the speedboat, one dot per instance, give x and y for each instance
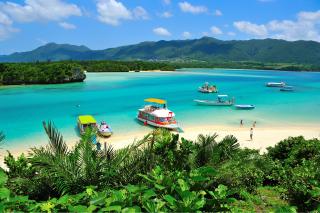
(207, 88)
(275, 84)
(287, 89)
(104, 129)
(155, 113)
(245, 106)
(85, 122)
(222, 100)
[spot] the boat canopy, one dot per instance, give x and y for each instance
(155, 100)
(87, 119)
(222, 96)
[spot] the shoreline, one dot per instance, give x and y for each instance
(263, 137)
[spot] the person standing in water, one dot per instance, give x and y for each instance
(251, 133)
(254, 124)
(241, 122)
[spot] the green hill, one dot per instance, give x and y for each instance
(204, 49)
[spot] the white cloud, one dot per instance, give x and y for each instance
(67, 26)
(231, 34)
(39, 10)
(205, 33)
(217, 13)
(4, 19)
(306, 27)
(166, 14)
(186, 34)
(112, 12)
(140, 13)
(189, 8)
(215, 30)
(161, 31)
(6, 31)
(167, 1)
(251, 29)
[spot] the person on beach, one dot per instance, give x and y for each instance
(98, 146)
(241, 122)
(254, 124)
(251, 133)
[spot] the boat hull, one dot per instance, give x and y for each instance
(212, 103)
(245, 107)
(105, 133)
(151, 123)
(207, 91)
(275, 84)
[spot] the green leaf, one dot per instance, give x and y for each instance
(207, 171)
(183, 185)
(112, 208)
(4, 193)
(132, 209)
(160, 187)
(148, 194)
(3, 177)
(171, 200)
(133, 189)
(78, 208)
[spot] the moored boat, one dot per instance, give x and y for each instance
(287, 89)
(85, 122)
(275, 84)
(207, 88)
(104, 129)
(245, 106)
(155, 113)
(222, 100)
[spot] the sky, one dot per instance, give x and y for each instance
(101, 24)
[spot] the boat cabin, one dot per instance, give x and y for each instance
(86, 121)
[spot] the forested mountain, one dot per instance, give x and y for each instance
(203, 49)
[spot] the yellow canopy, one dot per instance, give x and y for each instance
(155, 100)
(87, 119)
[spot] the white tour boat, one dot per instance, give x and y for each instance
(155, 113)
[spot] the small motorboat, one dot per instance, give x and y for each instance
(104, 129)
(275, 84)
(86, 121)
(222, 100)
(245, 106)
(287, 89)
(207, 88)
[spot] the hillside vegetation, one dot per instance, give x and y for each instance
(163, 173)
(203, 49)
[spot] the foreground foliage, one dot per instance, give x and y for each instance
(163, 172)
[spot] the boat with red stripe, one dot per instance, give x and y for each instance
(155, 113)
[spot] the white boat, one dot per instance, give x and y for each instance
(104, 129)
(275, 84)
(222, 100)
(287, 89)
(155, 113)
(245, 106)
(207, 88)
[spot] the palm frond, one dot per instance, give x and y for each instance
(56, 143)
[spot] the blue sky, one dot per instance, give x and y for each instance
(99, 24)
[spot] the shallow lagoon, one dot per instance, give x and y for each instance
(115, 97)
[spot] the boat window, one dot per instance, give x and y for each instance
(163, 119)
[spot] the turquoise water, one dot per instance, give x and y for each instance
(115, 97)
